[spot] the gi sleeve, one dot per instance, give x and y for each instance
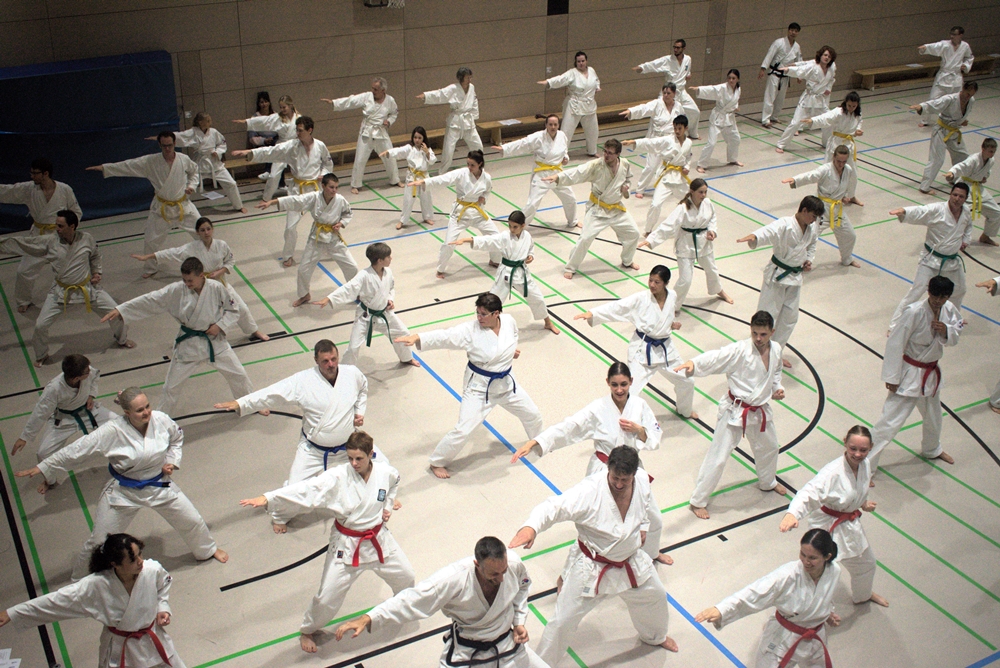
(448, 179)
(658, 65)
(393, 111)
(269, 123)
(346, 214)
(755, 597)
(305, 496)
(71, 602)
(769, 235)
(95, 257)
(652, 427)
(808, 177)
(228, 261)
(17, 193)
(27, 245)
(809, 497)
(72, 204)
(390, 496)
(439, 96)
(67, 457)
(520, 601)
(191, 170)
(622, 310)
(176, 254)
(577, 427)
(163, 581)
(185, 138)
(964, 168)
(151, 303)
(570, 506)
(135, 167)
(490, 242)
(176, 436)
(578, 174)
(284, 391)
(362, 403)
(710, 92)
(716, 361)
(420, 601)
(771, 56)
(895, 347)
(953, 322)
(967, 60)
(400, 151)
(351, 102)
(220, 144)
(458, 337)
(348, 292)
(713, 220)
(296, 202)
(939, 104)
(281, 152)
(666, 229)
(920, 215)
(522, 146)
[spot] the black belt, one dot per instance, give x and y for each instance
(477, 646)
(776, 72)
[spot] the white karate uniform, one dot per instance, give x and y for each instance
(372, 293)
(799, 599)
(207, 150)
(286, 131)
(753, 385)
(815, 99)
(580, 104)
(213, 258)
(101, 596)
(832, 188)
(324, 243)
(73, 264)
(357, 505)
(327, 415)
(793, 248)
(138, 457)
(461, 121)
(946, 136)
(308, 169)
(995, 397)
(781, 53)
(604, 209)
(549, 157)
(945, 235)
(677, 73)
(466, 212)
(586, 582)
(838, 488)
(170, 203)
(520, 280)
(722, 121)
(419, 164)
(661, 124)
(690, 246)
(456, 592)
(914, 338)
(493, 353)
(954, 63)
(43, 221)
(973, 172)
(669, 158)
(842, 127)
(374, 134)
(198, 312)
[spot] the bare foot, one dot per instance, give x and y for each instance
(669, 644)
(24, 307)
(439, 274)
(700, 513)
(639, 195)
(428, 222)
(983, 239)
(44, 487)
(724, 297)
(551, 327)
(854, 263)
(400, 185)
(354, 191)
(779, 150)
(559, 584)
(578, 226)
(279, 528)
(440, 472)
(221, 556)
(693, 416)
(796, 133)
(150, 275)
(244, 210)
(568, 275)
(767, 125)
(39, 363)
(786, 363)
(665, 559)
(878, 600)
(307, 644)
(921, 124)
(399, 226)
(995, 409)
(780, 489)
(302, 300)
(128, 343)
(634, 265)
(411, 362)
(737, 163)
(700, 169)
(289, 262)
(260, 335)
(494, 264)
(855, 200)
(926, 192)
(945, 457)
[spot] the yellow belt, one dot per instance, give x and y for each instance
(82, 287)
(976, 189)
(323, 227)
(670, 168)
(417, 175)
(836, 211)
(543, 167)
(166, 203)
(470, 205)
(604, 205)
(43, 228)
(951, 131)
(850, 138)
(301, 184)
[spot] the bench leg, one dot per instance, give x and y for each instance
(868, 82)
(496, 135)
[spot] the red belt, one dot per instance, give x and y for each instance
(746, 409)
(841, 517)
(148, 631)
(804, 634)
(368, 534)
(603, 458)
(607, 564)
(929, 368)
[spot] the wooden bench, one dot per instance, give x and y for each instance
(339, 152)
(609, 114)
(897, 75)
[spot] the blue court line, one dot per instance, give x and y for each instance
(992, 658)
(708, 634)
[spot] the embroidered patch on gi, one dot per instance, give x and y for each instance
(526, 581)
(340, 554)
(381, 495)
(169, 579)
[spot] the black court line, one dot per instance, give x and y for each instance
(967, 254)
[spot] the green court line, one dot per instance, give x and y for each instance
(569, 650)
(20, 339)
(944, 413)
(277, 317)
(83, 502)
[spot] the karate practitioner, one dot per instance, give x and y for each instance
(44, 197)
(491, 344)
(332, 397)
(783, 52)
(206, 146)
(610, 181)
(991, 289)
(833, 182)
(819, 75)
(954, 110)
(949, 231)
(205, 312)
(309, 159)
(330, 213)
(517, 249)
(753, 373)
(956, 60)
(580, 106)
(677, 69)
(217, 259)
(486, 598)
(461, 121)
(76, 263)
(361, 496)
(143, 448)
(472, 186)
(68, 404)
(379, 112)
(672, 153)
(844, 123)
(911, 372)
(129, 595)
(611, 513)
(282, 123)
(373, 290)
(722, 120)
(661, 112)
(419, 158)
(802, 594)
(833, 501)
(693, 225)
(550, 148)
(623, 418)
(974, 171)
(173, 176)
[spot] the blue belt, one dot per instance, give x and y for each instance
(79, 420)
(492, 375)
(653, 343)
(327, 451)
(137, 484)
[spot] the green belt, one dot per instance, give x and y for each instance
(787, 269)
(188, 333)
(79, 420)
(944, 258)
(695, 231)
(372, 313)
(514, 266)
